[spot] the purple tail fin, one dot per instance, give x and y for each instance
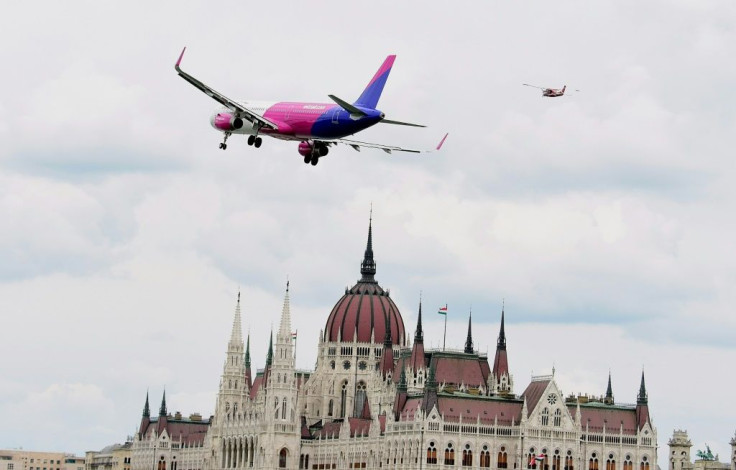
(371, 94)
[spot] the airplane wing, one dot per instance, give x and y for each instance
(355, 144)
(238, 108)
(534, 86)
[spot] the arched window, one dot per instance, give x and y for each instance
(162, 463)
(593, 462)
(467, 456)
(644, 465)
(282, 457)
(558, 417)
(301, 461)
(568, 461)
(449, 454)
(532, 462)
(276, 407)
(431, 453)
(343, 398)
(283, 408)
(556, 457)
(545, 417)
(501, 461)
(485, 458)
(359, 398)
(329, 408)
(628, 464)
(610, 463)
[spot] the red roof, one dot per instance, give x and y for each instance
(533, 393)
(365, 308)
(359, 426)
(596, 416)
(184, 431)
(471, 408)
(500, 363)
(460, 369)
(256, 385)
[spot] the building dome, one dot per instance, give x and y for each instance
(365, 309)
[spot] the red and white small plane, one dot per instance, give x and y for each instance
(549, 92)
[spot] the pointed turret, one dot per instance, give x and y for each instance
(416, 362)
(609, 392)
(145, 419)
(236, 335)
(642, 407)
(162, 410)
(469, 339)
(269, 355)
(400, 399)
(285, 325)
(248, 376)
(502, 381)
(368, 266)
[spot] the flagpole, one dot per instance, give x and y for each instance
(444, 336)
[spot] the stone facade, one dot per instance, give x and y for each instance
(29, 460)
(680, 446)
(377, 400)
(112, 457)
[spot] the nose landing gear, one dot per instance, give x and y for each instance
(223, 144)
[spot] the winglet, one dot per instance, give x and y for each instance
(439, 146)
(180, 56)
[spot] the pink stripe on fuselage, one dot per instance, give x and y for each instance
(300, 117)
(387, 64)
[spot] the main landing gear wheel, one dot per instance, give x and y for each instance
(307, 159)
(251, 139)
(257, 142)
(314, 160)
(223, 144)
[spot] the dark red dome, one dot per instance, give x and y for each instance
(366, 309)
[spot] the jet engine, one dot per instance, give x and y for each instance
(307, 149)
(226, 122)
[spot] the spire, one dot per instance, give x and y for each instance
(247, 353)
(419, 335)
(641, 399)
(285, 326)
(402, 378)
(501, 344)
(146, 408)
(387, 361)
(430, 390)
(162, 411)
(236, 337)
(609, 391)
(269, 356)
(368, 266)
(469, 339)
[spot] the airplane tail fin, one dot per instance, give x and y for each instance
(563, 89)
(371, 94)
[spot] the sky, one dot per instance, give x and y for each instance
(602, 220)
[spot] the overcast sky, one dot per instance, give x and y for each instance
(604, 219)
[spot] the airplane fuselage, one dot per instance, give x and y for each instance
(298, 120)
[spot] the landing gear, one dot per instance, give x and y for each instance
(255, 141)
(223, 144)
(315, 160)
(307, 159)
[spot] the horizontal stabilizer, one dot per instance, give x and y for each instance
(400, 123)
(355, 113)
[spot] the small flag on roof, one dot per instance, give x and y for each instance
(443, 310)
(293, 335)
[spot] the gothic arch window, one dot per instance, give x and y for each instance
(502, 460)
(593, 462)
(628, 464)
(485, 457)
(568, 461)
(558, 417)
(431, 453)
(545, 417)
(230, 383)
(449, 454)
(467, 456)
(282, 457)
(556, 456)
(610, 462)
(329, 407)
(644, 465)
(162, 463)
(532, 462)
(276, 407)
(359, 398)
(343, 398)
(283, 408)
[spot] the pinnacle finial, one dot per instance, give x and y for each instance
(501, 344)
(402, 378)
(642, 398)
(247, 352)
(469, 339)
(609, 390)
(162, 411)
(146, 408)
(419, 334)
(368, 266)
(269, 356)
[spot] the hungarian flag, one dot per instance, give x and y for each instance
(539, 458)
(293, 335)
(443, 310)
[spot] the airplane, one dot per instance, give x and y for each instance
(550, 92)
(316, 126)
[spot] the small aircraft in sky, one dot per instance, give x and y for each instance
(550, 92)
(316, 126)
